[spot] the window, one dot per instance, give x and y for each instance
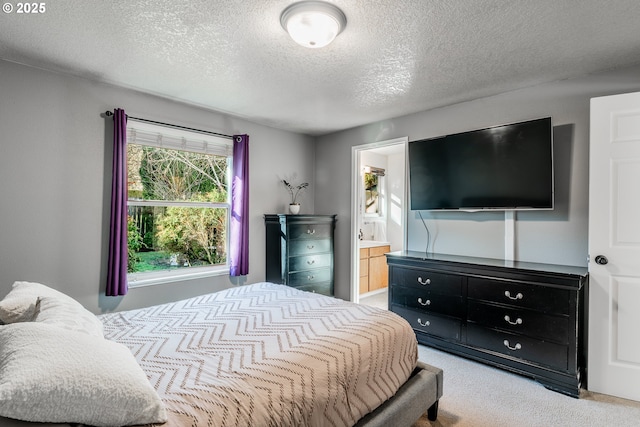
(178, 205)
(373, 191)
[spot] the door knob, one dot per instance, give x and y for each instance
(601, 259)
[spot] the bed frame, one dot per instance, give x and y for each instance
(422, 390)
(419, 394)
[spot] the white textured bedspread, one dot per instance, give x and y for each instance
(267, 355)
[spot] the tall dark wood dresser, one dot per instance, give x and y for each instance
(299, 251)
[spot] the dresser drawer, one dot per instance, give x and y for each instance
(432, 324)
(307, 247)
(518, 346)
(308, 277)
(448, 284)
(307, 262)
(319, 288)
(518, 294)
(427, 301)
(522, 321)
(310, 231)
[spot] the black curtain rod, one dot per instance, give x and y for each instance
(110, 113)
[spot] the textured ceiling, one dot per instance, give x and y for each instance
(394, 57)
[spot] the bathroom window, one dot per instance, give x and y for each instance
(373, 191)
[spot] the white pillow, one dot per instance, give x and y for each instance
(30, 301)
(38, 290)
(50, 374)
(17, 308)
(20, 303)
(69, 315)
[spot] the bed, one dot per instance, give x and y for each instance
(255, 355)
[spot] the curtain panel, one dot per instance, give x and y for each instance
(239, 233)
(117, 265)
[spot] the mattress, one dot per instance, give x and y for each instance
(267, 355)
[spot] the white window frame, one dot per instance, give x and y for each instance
(155, 135)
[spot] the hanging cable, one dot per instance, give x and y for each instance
(426, 250)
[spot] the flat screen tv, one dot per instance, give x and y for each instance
(508, 167)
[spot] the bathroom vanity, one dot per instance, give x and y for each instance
(374, 273)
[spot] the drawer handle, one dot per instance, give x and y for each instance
(311, 231)
(424, 282)
(427, 323)
(427, 302)
(517, 297)
(509, 321)
(311, 261)
(310, 246)
(310, 277)
(516, 347)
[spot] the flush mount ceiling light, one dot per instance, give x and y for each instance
(313, 24)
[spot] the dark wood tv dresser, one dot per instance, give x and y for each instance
(527, 318)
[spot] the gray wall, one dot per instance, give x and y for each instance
(55, 169)
(55, 161)
(557, 237)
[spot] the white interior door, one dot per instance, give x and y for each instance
(614, 246)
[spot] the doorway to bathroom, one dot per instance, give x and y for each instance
(378, 215)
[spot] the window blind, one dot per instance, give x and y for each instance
(178, 139)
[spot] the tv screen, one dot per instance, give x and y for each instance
(508, 167)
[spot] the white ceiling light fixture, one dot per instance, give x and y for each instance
(313, 24)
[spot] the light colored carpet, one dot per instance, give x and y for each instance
(378, 299)
(477, 395)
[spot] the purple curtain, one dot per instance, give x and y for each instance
(117, 267)
(239, 235)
